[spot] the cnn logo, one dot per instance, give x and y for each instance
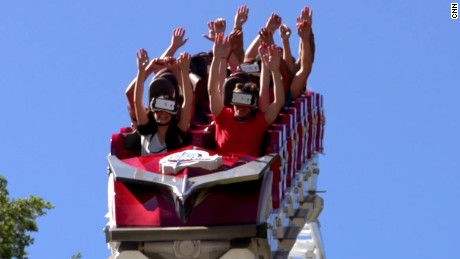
(454, 11)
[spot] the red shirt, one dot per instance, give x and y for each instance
(245, 137)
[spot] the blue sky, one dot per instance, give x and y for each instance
(389, 71)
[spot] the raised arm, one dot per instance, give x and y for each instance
(217, 26)
(237, 49)
(241, 17)
(304, 24)
(285, 33)
(273, 23)
(141, 113)
(236, 38)
(155, 64)
(264, 92)
(221, 49)
(273, 62)
(186, 112)
(177, 41)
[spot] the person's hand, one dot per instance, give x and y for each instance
(273, 58)
(303, 28)
(266, 36)
(142, 59)
(285, 32)
(307, 14)
(263, 51)
(155, 65)
(214, 27)
(211, 32)
(177, 39)
(184, 61)
(241, 17)
(236, 39)
(219, 25)
(221, 47)
(164, 62)
(273, 23)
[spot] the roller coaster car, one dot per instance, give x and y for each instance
(197, 203)
(191, 195)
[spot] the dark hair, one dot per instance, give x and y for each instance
(199, 64)
(249, 87)
(162, 87)
(230, 84)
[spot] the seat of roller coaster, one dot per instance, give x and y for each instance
(203, 135)
(125, 144)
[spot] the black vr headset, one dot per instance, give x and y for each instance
(162, 104)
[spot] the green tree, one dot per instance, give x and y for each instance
(17, 221)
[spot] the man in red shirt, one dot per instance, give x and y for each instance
(241, 129)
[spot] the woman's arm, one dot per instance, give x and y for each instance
(264, 92)
(141, 113)
(221, 49)
(177, 41)
(154, 65)
(186, 112)
(273, 62)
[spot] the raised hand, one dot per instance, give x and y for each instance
(266, 36)
(211, 32)
(303, 28)
(236, 39)
(285, 32)
(178, 39)
(220, 25)
(263, 52)
(184, 61)
(241, 17)
(221, 48)
(274, 57)
(307, 14)
(142, 60)
(214, 27)
(273, 22)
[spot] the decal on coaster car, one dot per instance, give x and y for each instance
(174, 163)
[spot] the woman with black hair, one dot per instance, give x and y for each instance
(163, 127)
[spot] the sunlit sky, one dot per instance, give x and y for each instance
(388, 70)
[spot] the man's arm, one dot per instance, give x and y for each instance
(285, 33)
(273, 23)
(221, 49)
(264, 92)
(299, 81)
(273, 62)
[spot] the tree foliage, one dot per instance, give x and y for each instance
(17, 221)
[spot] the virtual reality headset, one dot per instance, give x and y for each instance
(244, 99)
(161, 104)
(250, 68)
